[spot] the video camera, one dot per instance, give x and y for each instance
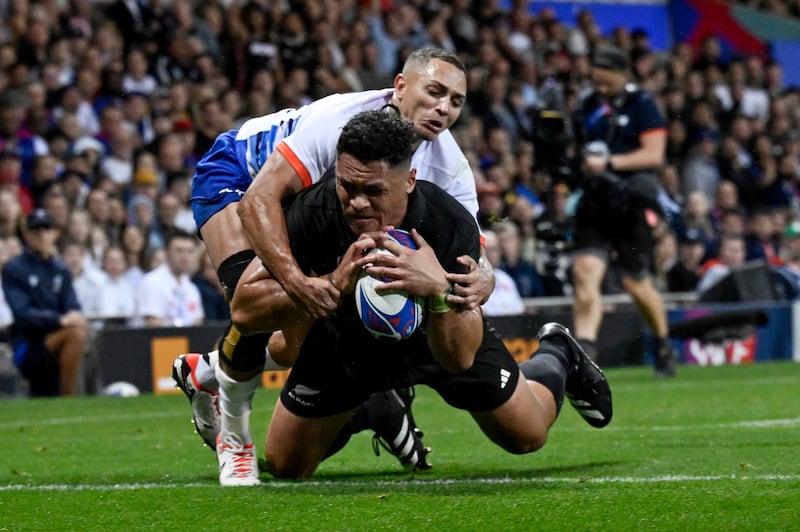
(552, 133)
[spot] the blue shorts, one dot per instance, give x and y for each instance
(219, 179)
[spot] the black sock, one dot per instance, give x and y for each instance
(556, 346)
(369, 413)
(549, 370)
(243, 353)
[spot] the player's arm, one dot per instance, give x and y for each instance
(472, 288)
(262, 216)
(454, 333)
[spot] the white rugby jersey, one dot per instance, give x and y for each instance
(307, 137)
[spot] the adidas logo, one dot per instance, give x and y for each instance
(504, 376)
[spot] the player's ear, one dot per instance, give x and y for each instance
(412, 180)
(399, 85)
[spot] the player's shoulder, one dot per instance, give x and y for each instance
(441, 204)
(347, 104)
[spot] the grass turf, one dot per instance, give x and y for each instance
(714, 449)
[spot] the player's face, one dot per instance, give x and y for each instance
(372, 195)
(608, 82)
(431, 96)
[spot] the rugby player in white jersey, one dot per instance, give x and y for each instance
(237, 194)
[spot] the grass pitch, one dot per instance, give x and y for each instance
(713, 449)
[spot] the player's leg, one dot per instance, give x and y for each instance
(296, 445)
(519, 421)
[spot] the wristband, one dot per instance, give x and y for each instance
(609, 165)
(438, 304)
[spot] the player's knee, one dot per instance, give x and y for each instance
(288, 468)
(242, 317)
(524, 443)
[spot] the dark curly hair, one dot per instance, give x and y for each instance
(378, 136)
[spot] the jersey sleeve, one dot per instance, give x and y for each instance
(311, 148)
(650, 118)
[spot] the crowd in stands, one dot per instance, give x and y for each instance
(106, 107)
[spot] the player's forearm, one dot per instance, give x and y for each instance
(454, 338)
(263, 306)
(264, 222)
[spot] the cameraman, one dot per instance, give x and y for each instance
(623, 139)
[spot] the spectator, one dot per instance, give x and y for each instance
(9, 248)
(87, 281)
(732, 254)
(11, 214)
(49, 334)
(697, 215)
(117, 296)
(15, 137)
(135, 251)
(761, 240)
(726, 197)
(524, 274)
(215, 306)
(684, 274)
(787, 275)
(166, 295)
(700, 171)
(137, 78)
(505, 300)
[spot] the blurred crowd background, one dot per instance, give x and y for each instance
(106, 107)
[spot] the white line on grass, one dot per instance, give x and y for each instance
(415, 481)
(751, 424)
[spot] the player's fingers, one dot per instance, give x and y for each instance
(468, 261)
(418, 240)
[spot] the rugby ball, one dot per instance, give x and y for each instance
(391, 315)
(121, 389)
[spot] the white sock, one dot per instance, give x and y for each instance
(270, 364)
(205, 372)
(235, 400)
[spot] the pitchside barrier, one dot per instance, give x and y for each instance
(144, 356)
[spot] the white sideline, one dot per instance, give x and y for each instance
(411, 482)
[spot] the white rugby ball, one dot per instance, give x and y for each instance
(391, 315)
(121, 389)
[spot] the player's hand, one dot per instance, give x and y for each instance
(315, 297)
(471, 289)
(345, 275)
(417, 271)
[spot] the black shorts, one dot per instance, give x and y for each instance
(622, 235)
(333, 376)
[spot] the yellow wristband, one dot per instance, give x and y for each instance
(438, 304)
